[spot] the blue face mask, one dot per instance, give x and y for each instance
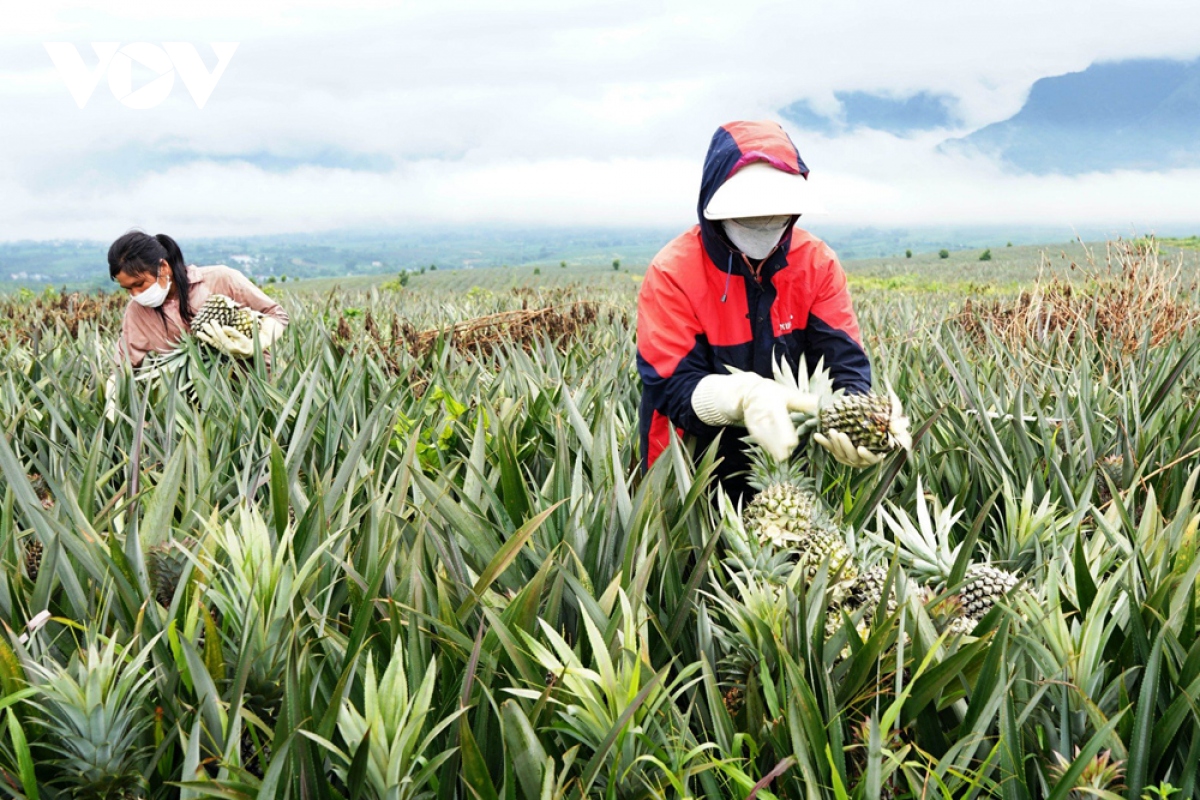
(154, 296)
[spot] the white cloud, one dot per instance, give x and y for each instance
(549, 111)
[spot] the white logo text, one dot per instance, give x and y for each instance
(117, 62)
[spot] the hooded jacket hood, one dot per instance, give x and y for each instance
(734, 146)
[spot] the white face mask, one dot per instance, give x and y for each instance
(154, 296)
(756, 236)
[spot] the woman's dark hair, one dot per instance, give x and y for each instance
(137, 253)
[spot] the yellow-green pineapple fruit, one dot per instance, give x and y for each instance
(873, 421)
(225, 312)
(826, 543)
(782, 514)
(983, 587)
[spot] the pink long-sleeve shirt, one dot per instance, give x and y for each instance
(143, 330)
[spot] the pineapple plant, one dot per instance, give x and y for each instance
(787, 513)
(392, 717)
(925, 551)
(254, 578)
(752, 615)
(95, 711)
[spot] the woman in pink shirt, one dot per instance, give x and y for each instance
(166, 293)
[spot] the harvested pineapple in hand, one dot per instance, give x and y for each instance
(226, 326)
(222, 328)
(859, 430)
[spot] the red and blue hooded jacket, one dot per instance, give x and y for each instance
(703, 306)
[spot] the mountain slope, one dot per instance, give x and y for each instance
(1142, 114)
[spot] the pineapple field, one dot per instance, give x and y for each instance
(414, 556)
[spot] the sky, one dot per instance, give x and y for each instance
(361, 114)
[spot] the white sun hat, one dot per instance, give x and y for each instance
(761, 190)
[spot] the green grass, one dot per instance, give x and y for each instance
(1190, 243)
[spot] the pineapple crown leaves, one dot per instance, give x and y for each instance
(1029, 524)
(596, 692)
(753, 613)
(96, 711)
(257, 580)
(1102, 776)
(393, 723)
(766, 470)
(815, 382)
(924, 546)
(733, 529)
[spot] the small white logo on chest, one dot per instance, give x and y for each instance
(786, 326)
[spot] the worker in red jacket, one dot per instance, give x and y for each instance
(738, 290)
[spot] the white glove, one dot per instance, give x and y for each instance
(843, 450)
(269, 331)
(235, 343)
(762, 405)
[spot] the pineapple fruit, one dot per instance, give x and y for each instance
(165, 562)
(783, 513)
(867, 590)
(225, 313)
(873, 421)
(1112, 467)
(33, 558)
(864, 592)
(984, 586)
(827, 545)
(788, 514)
